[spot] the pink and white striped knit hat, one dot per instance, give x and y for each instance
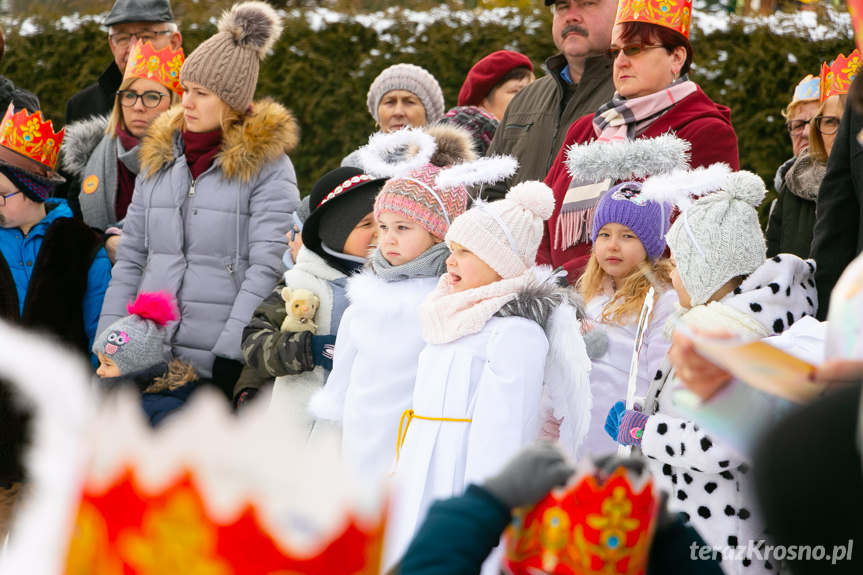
(418, 197)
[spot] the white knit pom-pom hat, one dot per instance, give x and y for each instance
(506, 234)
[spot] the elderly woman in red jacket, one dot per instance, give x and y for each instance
(654, 96)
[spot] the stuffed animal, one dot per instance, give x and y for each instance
(301, 305)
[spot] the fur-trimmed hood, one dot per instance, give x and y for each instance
(80, 141)
(157, 378)
(266, 133)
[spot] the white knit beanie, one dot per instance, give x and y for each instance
(414, 79)
(506, 234)
(719, 238)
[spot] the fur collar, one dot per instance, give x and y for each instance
(537, 300)
(266, 133)
(157, 378)
(368, 291)
(80, 141)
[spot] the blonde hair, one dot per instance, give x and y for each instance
(817, 149)
(625, 304)
(115, 120)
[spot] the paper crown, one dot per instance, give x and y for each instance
(591, 527)
(28, 142)
(807, 89)
(208, 492)
(162, 66)
(855, 7)
(836, 78)
(673, 14)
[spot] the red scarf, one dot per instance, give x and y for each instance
(201, 149)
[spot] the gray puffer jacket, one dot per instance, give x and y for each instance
(216, 242)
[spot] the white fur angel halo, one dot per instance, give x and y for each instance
(597, 161)
(481, 171)
(389, 154)
(678, 187)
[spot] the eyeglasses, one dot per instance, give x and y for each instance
(128, 98)
(827, 125)
(4, 196)
(122, 40)
(795, 127)
(632, 50)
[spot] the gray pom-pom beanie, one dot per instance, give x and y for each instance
(415, 80)
(719, 238)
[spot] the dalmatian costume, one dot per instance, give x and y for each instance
(708, 483)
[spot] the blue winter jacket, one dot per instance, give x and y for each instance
(20, 252)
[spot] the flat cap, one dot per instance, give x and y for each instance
(139, 11)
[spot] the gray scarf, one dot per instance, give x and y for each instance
(804, 177)
(98, 207)
(430, 264)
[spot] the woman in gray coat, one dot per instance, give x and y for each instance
(212, 203)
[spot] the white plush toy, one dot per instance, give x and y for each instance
(301, 305)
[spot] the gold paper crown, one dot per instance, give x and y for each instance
(855, 7)
(162, 66)
(836, 78)
(673, 14)
(591, 527)
(33, 139)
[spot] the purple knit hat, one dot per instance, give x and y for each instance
(623, 204)
(418, 197)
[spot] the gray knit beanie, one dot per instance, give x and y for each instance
(415, 80)
(719, 238)
(228, 63)
(137, 342)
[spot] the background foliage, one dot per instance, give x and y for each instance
(322, 69)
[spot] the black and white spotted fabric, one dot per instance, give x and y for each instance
(708, 483)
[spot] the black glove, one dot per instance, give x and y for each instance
(323, 347)
(530, 475)
(226, 372)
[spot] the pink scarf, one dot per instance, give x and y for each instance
(447, 315)
(626, 119)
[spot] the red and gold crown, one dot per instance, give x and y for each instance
(855, 7)
(673, 14)
(162, 66)
(593, 526)
(28, 142)
(836, 78)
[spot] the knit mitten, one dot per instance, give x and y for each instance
(530, 475)
(631, 427)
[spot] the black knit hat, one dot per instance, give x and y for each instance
(338, 201)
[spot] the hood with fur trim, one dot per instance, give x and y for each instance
(80, 141)
(266, 133)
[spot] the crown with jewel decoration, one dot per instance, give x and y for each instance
(29, 143)
(807, 89)
(595, 525)
(162, 66)
(836, 78)
(673, 14)
(207, 492)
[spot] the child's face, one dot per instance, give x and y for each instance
(363, 238)
(107, 367)
(402, 240)
(682, 294)
(618, 250)
(467, 271)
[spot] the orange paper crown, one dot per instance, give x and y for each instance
(29, 142)
(589, 528)
(161, 66)
(673, 14)
(855, 7)
(836, 78)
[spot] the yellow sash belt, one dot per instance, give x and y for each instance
(407, 416)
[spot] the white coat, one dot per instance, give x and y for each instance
(609, 374)
(374, 368)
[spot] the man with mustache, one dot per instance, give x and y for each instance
(577, 82)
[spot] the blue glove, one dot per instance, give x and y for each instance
(323, 347)
(612, 422)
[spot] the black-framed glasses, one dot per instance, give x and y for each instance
(795, 127)
(4, 196)
(632, 50)
(151, 99)
(122, 40)
(827, 125)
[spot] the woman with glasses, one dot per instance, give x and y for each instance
(792, 219)
(101, 153)
(651, 57)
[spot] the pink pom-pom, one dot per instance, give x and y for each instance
(154, 306)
